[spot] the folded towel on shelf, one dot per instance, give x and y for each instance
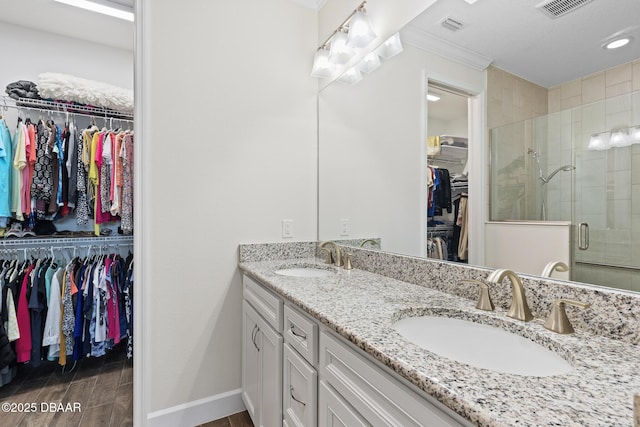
(75, 89)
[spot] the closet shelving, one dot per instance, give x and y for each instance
(80, 246)
(65, 107)
(83, 246)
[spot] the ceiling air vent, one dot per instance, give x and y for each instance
(558, 8)
(452, 24)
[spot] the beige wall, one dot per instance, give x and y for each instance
(512, 99)
(229, 149)
(608, 83)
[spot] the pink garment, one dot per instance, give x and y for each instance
(23, 344)
(27, 172)
(113, 319)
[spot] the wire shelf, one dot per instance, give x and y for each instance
(65, 107)
(31, 242)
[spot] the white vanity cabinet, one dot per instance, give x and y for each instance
(317, 378)
(300, 384)
(261, 355)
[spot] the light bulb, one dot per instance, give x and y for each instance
(340, 53)
(369, 63)
(360, 31)
(322, 67)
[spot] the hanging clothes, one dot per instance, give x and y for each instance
(79, 310)
(6, 160)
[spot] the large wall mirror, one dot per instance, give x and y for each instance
(373, 152)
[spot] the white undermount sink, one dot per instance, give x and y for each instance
(482, 346)
(304, 272)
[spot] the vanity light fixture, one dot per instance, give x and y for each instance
(369, 63)
(391, 47)
(620, 138)
(634, 134)
(599, 141)
(432, 97)
(322, 67)
(351, 76)
(356, 32)
(614, 44)
(360, 30)
(95, 6)
(340, 52)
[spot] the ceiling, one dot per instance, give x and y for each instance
(519, 38)
(58, 18)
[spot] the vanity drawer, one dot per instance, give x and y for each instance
(299, 390)
(333, 411)
(301, 333)
(379, 398)
(268, 305)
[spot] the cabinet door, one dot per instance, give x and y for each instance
(250, 362)
(333, 411)
(269, 343)
(299, 395)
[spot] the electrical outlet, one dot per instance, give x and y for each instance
(344, 227)
(287, 228)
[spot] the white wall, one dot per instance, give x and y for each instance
(527, 247)
(229, 146)
(27, 52)
(373, 150)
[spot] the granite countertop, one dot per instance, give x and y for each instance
(362, 306)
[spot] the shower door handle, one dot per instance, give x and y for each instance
(583, 236)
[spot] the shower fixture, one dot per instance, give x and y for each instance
(565, 168)
(545, 180)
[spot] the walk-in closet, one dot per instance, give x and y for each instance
(66, 220)
(447, 174)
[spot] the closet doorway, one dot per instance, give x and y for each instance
(448, 130)
(93, 388)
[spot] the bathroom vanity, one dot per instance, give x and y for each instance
(323, 348)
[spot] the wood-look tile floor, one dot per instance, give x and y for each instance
(240, 419)
(101, 387)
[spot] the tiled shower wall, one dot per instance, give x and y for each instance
(607, 192)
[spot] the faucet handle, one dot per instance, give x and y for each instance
(484, 301)
(347, 261)
(558, 320)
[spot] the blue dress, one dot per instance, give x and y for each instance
(6, 162)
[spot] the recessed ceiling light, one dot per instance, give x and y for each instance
(100, 8)
(432, 97)
(614, 44)
(471, 1)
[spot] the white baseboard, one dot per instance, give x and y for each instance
(198, 411)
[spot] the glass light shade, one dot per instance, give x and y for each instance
(391, 47)
(360, 31)
(351, 76)
(634, 135)
(322, 67)
(619, 138)
(599, 141)
(369, 63)
(340, 53)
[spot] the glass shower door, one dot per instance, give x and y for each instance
(606, 212)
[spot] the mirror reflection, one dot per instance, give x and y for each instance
(544, 177)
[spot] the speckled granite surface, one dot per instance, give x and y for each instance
(361, 306)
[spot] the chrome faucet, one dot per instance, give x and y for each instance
(519, 309)
(329, 259)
